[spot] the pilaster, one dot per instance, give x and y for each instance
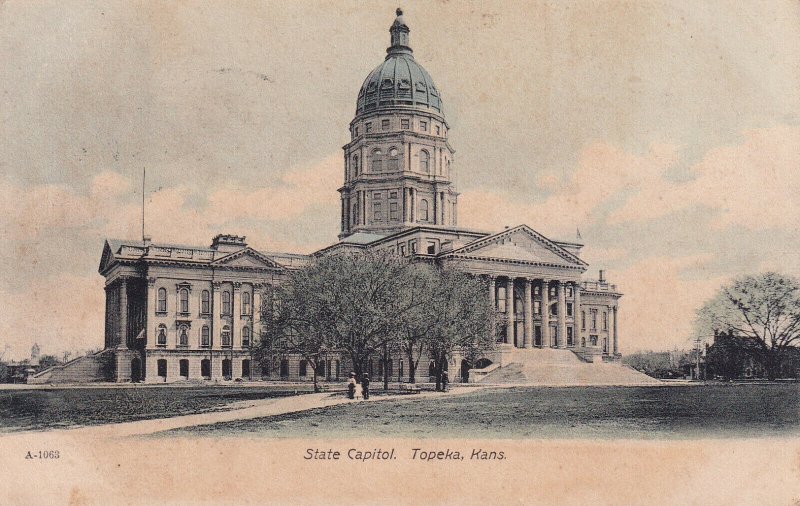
(528, 314)
(546, 313)
(509, 311)
(562, 315)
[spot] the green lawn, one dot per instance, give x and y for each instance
(596, 412)
(63, 407)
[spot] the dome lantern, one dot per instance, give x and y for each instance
(399, 31)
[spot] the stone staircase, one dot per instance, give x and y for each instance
(92, 368)
(559, 367)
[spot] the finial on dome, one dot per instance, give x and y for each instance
(399, 31)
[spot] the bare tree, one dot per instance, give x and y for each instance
(461, 318)
(349, 303)
(763, 308)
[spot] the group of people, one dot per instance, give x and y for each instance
(356, 390)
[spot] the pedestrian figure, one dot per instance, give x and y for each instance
(351, 386)
(445, 381)
(365, 386)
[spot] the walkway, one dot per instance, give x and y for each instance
(244, 410)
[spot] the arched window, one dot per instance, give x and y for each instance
(246, 337)
(226, 302)
(423, 210)
(183, 336)
(394, 160)
(162, 300)
(205, 337)
(355, 166)
(246, 303)
(184, 300)
(424, 161)
(377, 161)
(205, 368)
(226, 336)
(161, 335)
(205, 302)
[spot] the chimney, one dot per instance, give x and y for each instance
(226, 243)
(602, 276)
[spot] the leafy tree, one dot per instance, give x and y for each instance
(764, 309)
(46, 361)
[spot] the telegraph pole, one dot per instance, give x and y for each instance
(697, 348)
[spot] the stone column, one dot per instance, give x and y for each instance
(616, 337)
(122, 331)
(236, 310)
(576, 315)
(435, 206)
(562, 315)
(493, 301)
(256, 327)
(216, 321)
(545, 313)
(527, 310)
(510, 311)
(150, 319)
(413, 199)
(405, 205)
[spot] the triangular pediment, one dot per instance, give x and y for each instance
(106, 258)
(246, 258)
(519, 244)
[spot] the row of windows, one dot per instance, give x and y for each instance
(405, 124)
(205, 302)
(390, 161)
(205, 368)
(593, 316)
(205, 336)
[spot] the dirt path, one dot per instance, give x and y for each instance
(244, 410)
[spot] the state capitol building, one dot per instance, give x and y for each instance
(191, 313)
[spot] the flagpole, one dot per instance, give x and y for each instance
(144, 175)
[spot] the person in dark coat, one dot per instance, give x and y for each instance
(365, 386)
(351, 386)
(445, 381)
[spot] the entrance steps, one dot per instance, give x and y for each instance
(86, 369)
(561, 367)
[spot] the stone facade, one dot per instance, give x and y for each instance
(188, 313)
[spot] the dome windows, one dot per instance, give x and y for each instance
(377, 160)
(355, 165)
(423, 210)
(394, 160)
(424, 162)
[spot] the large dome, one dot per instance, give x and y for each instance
(399, 82)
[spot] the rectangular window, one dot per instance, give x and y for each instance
(537, 307)
(537, 335)
(569, 308)
(412, 247)
(570, 337)
(501, 299)
(205, 340)
(355, 132)
(583, 320)
(437, 130)
(402, 249)
(368, 127)
(431, 248)
(605, 320)
(594, 319)
(376, 211)
(393, 214)
(405, 124)
(377, 195)
(423, 125)
(385, 124)
(392, 195)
